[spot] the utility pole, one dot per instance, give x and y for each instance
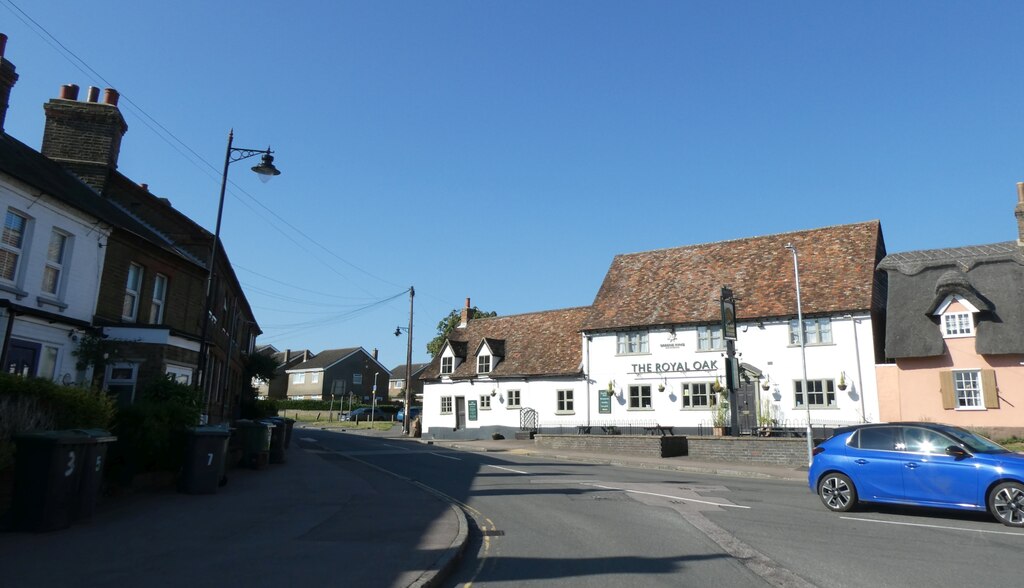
(408, 367)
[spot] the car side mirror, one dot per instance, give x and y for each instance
(957, 452)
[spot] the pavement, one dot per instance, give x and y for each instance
(296, 523)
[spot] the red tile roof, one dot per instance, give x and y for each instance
(683, 285)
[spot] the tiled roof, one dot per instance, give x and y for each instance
(536, 344)
(683, 285)
(398, 372)
(326, 358)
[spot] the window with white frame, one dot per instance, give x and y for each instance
(699, 395)
(446, 405)
(640, 396)
(483, 364)
(179, 374)
(817, 331)
(299, 378)
(11, 244)
(513, 398)
(156, 307)
(632, 343)
(132, 288)
(967, 385)
(398, 383)
(447, 365)
(120, 381)
(710, 338)
(485, 402)
(564, 401)
(821, 393)
(314, 378)
(958, 324)
(54, 263)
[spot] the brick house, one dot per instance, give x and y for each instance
(277, 387)
(339, 372)
(396, 385)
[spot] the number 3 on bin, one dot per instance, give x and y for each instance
(71, 464)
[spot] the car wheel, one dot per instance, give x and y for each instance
(837, 492)
(1006, 503)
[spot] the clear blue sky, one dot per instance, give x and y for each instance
(506, 151)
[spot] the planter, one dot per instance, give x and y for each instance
(720, 431)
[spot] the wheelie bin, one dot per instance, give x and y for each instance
(47, 475)
(95, 459)
(255, 438)
(277, 438)
(206, 450)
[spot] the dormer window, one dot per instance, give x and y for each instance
(957, 324)
(483, 364)
(447, 365)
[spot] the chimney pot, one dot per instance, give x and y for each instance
(111, 96)
(69, 92)
(92, 94)
(375, 354)
(287, 355)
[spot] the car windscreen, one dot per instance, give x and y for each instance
(974, 442)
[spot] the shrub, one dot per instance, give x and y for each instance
(151, 432)
(259, 409)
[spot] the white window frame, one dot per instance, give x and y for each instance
(447, 364)
(699, 396)
(314, 378)
(632, 343)
(564, 402)
(156, 308)
(131, 381)
(398, 383)
(967, 390)
(710, 338)
(55, 263)
(822, 393)
(12, 248)
(817, 331)
(299, 378)
(446, 405)
(357, 378)
(485, 402)
(180, 374)
(132, 292)
(483, 364)
(958, 324)
(637, 394)
(514, 399)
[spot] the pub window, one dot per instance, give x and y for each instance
(699, 395)
(631, 343)
(446, 405)
(640, 396)
(485, 402)
(564, 401)
(710, 338)
(513, 399)
(483, 364)
(821, 393)
(817, 331)
(447, 365)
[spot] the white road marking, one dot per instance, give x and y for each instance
(943, 527)
(395, 446)
(669, 496)
(308, 439)
(444, 456)
(506, 469)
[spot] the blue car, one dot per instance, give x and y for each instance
(919, 464)
(413, 413)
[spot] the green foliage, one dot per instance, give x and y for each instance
(260, 366)
(449, 323)
(151, 432)
(34, 403)
(720, 416)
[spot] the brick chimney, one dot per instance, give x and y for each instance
(8, 77)
(1019, 213)
(287, 355)
(375, 354)
(84, 134)
(467, 315)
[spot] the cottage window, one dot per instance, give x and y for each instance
(958, 324)
(485, 402)
(822, 393)
(632, 343)
(446, 405)
(640, 397)
(483, 364)
(710, 338)
(11, 244)
(513, 399)
(564, 402)
(447, 365)
(968, 389)
(699, 395)
(817, 331)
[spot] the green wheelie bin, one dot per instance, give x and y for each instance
(95, 459)
(47, 475)
(255, 441)
(206, 451)
(277, 439)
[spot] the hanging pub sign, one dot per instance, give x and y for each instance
(604, 402)
(728, 314)
(472, 410)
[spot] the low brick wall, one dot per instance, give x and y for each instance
(763, 450)
(645, 445)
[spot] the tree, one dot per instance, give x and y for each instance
(450, 322)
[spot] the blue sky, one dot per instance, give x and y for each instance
(506, 151)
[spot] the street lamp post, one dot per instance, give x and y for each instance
(408, 364)
(266, 170)
(803, 353)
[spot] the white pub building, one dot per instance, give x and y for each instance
(649, 351)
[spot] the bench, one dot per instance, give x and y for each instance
(660, 429)
(582, 429)
(611, 430)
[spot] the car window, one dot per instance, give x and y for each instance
(920, 440)
(878, 438)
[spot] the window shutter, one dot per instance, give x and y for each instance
(946, 388)
(988, 388)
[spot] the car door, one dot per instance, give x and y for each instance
(876, 464)
(932, 478)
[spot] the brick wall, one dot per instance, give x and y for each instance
(763, 450)
(642, 445)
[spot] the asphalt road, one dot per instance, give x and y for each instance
(547, 522)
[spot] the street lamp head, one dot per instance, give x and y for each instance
(791, 247)
(266, 169)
